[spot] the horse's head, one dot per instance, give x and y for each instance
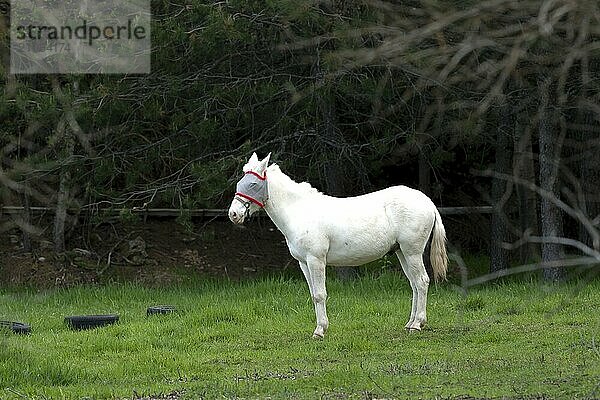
(251, 191)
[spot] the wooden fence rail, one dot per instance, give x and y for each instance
(200, 213)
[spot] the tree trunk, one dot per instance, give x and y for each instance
(67, 130)
(62, 201)
(334, 175)
(424, 172)
(499, 232)
(527, 201)
(589, 175)
(551, 215)
(333, 169)
(589, 170)
(334, 178)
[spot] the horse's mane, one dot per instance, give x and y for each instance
(301, 188)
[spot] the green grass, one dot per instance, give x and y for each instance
(253, 340)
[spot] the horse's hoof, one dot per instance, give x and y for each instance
(413, 329)
(319, 332)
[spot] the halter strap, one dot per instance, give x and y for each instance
(262, 177)
(251, 199)
(246, 205)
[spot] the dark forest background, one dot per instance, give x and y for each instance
(474, 103)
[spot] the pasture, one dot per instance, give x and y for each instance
(515, 339)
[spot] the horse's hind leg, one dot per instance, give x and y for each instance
(408, 273)
(413, 267)
(422, 285)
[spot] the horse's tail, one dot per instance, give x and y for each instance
(438, 256)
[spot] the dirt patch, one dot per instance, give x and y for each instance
(156, 252)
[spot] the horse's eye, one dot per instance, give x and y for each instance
(252, 183)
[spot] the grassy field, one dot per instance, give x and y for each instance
(253, 340)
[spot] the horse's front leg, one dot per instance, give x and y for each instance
(316, 272)
(306, 273)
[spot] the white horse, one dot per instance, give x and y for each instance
(321, 230)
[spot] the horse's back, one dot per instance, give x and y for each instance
(363, 228)
(410, 212)
(398, 202)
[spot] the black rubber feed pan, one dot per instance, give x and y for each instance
(80, 322)
(158, 310)
(16, 327)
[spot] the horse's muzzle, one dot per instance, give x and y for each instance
(236, 217)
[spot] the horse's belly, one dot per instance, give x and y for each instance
(359, 249)
(356, 234)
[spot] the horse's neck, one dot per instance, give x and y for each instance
(283, 192)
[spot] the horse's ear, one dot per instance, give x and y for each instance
(253, 159)
(264, 164)
(251, 164)
(266, 160)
